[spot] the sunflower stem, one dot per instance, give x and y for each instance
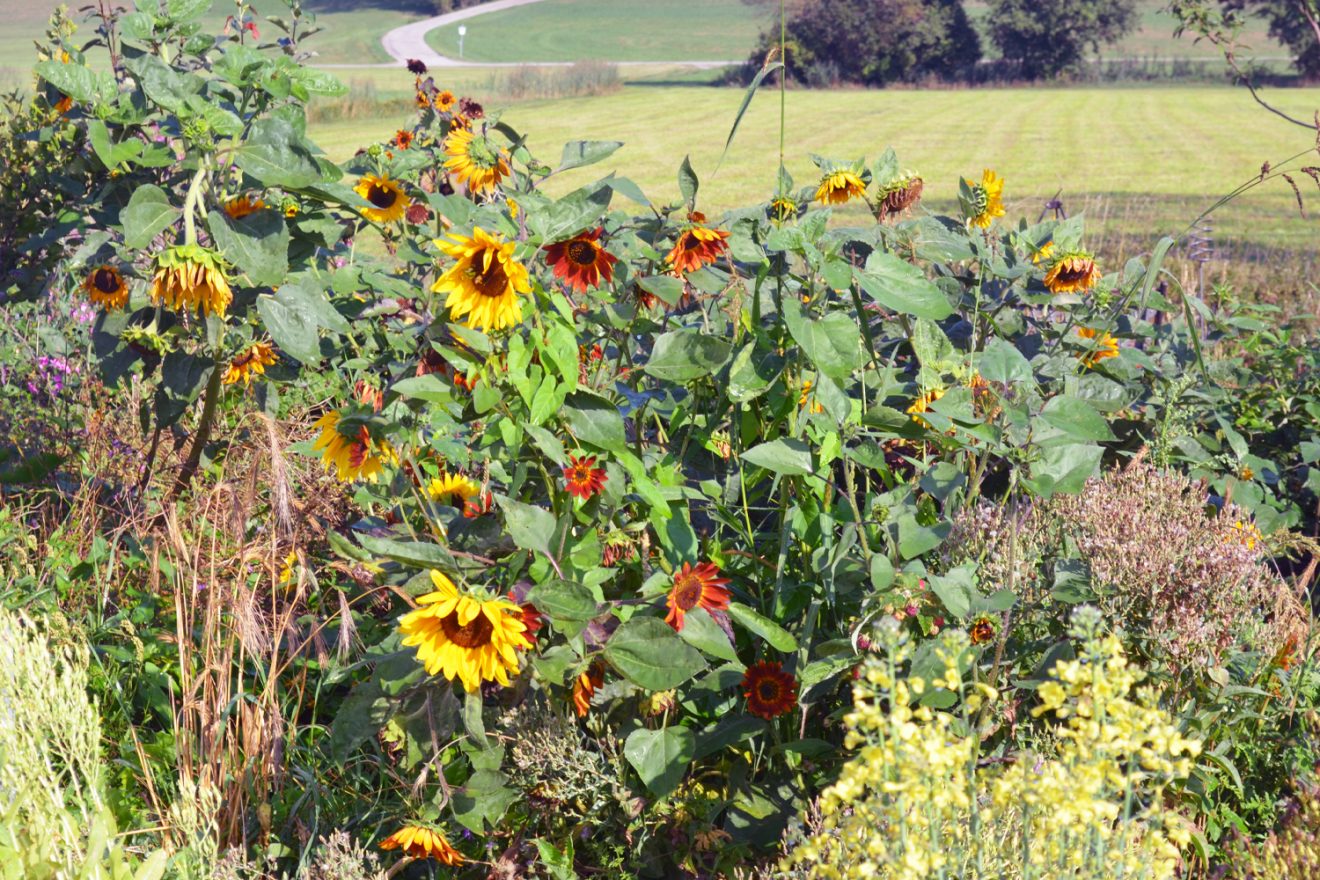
(190, 202)
(203, 433)
(783, 78)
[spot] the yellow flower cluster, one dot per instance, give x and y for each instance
(914, 802)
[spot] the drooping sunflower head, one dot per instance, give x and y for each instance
(104, 286)
(445, 101)
(388, 202)
(251, 361)
(900, 195)
(987, 200)
(242, 206)
(922, 404)
(585, 687)
(982, 631)
(422, 100)
(582, 478)
(1101, 346)
(191, 278)
(840, 186)
(699, 586)
(453, 490)
(697, 245)
(352, 454)
(484, 282)
(581, 262)
(1074, 272)
(422, 842)
(782, 209)
(770, 690)
(466, 638)
(475, 161)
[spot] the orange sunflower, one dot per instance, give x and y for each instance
(697, 245)
(1076, 272)
(421, 842)
(585, 687)
(839, 187)
(1103, 346)
(922, 404)
(243, 206)
(581, 262)
(251, 361)
(770, 691)
(445, 101)
(700, 586)
(403, 139)
(582, 478)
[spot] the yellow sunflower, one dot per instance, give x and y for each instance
(243, 206)
(484, 281)
(454, 490)
(421, 842)
(922, 404)
(475, 161)
(190, 278)
(458, 636)
(388, 201)
(838, 187)
(445, 101)
(1043, 253)
(989, 199)
(352, 458)
(252, 361)
(1076, 272)
(1103, 346)
(104, 286)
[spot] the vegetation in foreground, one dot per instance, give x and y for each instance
(401, 518)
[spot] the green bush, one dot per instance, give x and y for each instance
(1047, 38)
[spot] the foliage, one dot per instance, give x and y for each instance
(1051, 38)
(1294, 23)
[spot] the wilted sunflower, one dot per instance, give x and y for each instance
(388, 201)
(988, 200)
(104, 286)
(1075, 272)
(838, 187)
(770, 691)
(190, 278)
(403, 139)
(420, 842)
(1102, 346)
(982, 631)
(900, 195)
(581, 262)
(453, 490)
(416, 68)
(701, 586)
(697, 245)
(353, 458)
(475, 161)
(582, 478)
(473, 640)
(243, 206)
(585, 687)
(445, 101)
(922, 404)
(63, 105)
(484, 281)
(782, 209)
(252, 361)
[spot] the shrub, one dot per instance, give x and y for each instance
(1050, 37)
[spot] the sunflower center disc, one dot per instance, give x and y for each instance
(768, 690)
(381, 197)
(687, 592)
(475, 633)
(691, 242)
(105, 281)
(582, 253)
(492, 282)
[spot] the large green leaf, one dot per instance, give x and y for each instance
(684, 355)
(1064, 468)
(903, 287)
(530, 527)
(1076, 418)
(147, 213)
(293, 330)
(834, 342)
(1002, 362)
(417, 554)
(650, 654)
(660, 757)
(277, 155)
(779, 638)
(687, 181)
(563, 599)
(752, 372)
(80, 83)
(783, 456)
(594, 420)
(258, 244)
(580, 153)
(702, 632)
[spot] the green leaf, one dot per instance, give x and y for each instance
(955, 591)
(660, 757)
(783, 456)
(277, 155)
(594, 420)
(580, 153)
(1076, 418)
(650, 654)
(728, 730)
(778, 638)
(81, 83)
(530, 527)
(667, 287)
(702, 632)
(683, 355)
(110, 154)
(1002, 362)
(186, 10)
(915, 539)
(687, 182)
(483, 800)
(429, 388)
(903, 287)
(1064, 468)
(293, 330)
(747, 102)
(146, 215)
(472, 719)
(563, 599)
(834, 342)
(752, 373)
(361, 715)
(258, 244)
(418, 554)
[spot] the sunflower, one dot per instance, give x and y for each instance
(805, 397)
(420, 842)
(988, 199)
(922, 404)
(353, 458)
(475, 161)
(403, 139)
(388, 201)
(701, 586)
(1245, 533)
(64, 105)
(581, 262)
(368, 394)
(243, 206)
(416, 68)
(585, 687)
(838, 187)
(454, 490)
(484, 282)
(250, 362)
(422, 100)
(104, 286)
(982, 631)
(1075, 272)
(445, 101)
(900, 195)
(582, 478)
(770, 691)
(532, 619)
(697, 245)
(190, 277)
(1102, 346)
(1042, 254)
(782, 209)
(473, 640)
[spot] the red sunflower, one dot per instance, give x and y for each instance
(700, 586)
(770, 691)
(531, 618)
(403, 139)
(697, 245)
(585, 686)
(582, 478)
(581, 262)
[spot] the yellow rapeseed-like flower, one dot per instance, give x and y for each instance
(191, 278)
(484, 281)
(838, 187)
(287, 569)
(452, 489)
(352, 458)
(252, 361)
(989, 199)
(922, 404)
(421, 842)
(104, 286)
(1104, 346)
(388, 201)
(475, 161)
(1074, 272)
(1246, 534)
(458, 636)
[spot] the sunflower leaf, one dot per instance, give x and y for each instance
(531, 528)
(779, 638)
(581, 153)
(147, 214)
(651, 655)
(660, 757)
(687, 182)
(900, 286)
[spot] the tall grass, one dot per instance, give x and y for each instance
(584, 78)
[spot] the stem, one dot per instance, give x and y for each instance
(203, 435)
(191, 200)
(783, 78)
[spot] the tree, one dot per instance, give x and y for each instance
(1294, 23)
(874, 42)
(1051, 37)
